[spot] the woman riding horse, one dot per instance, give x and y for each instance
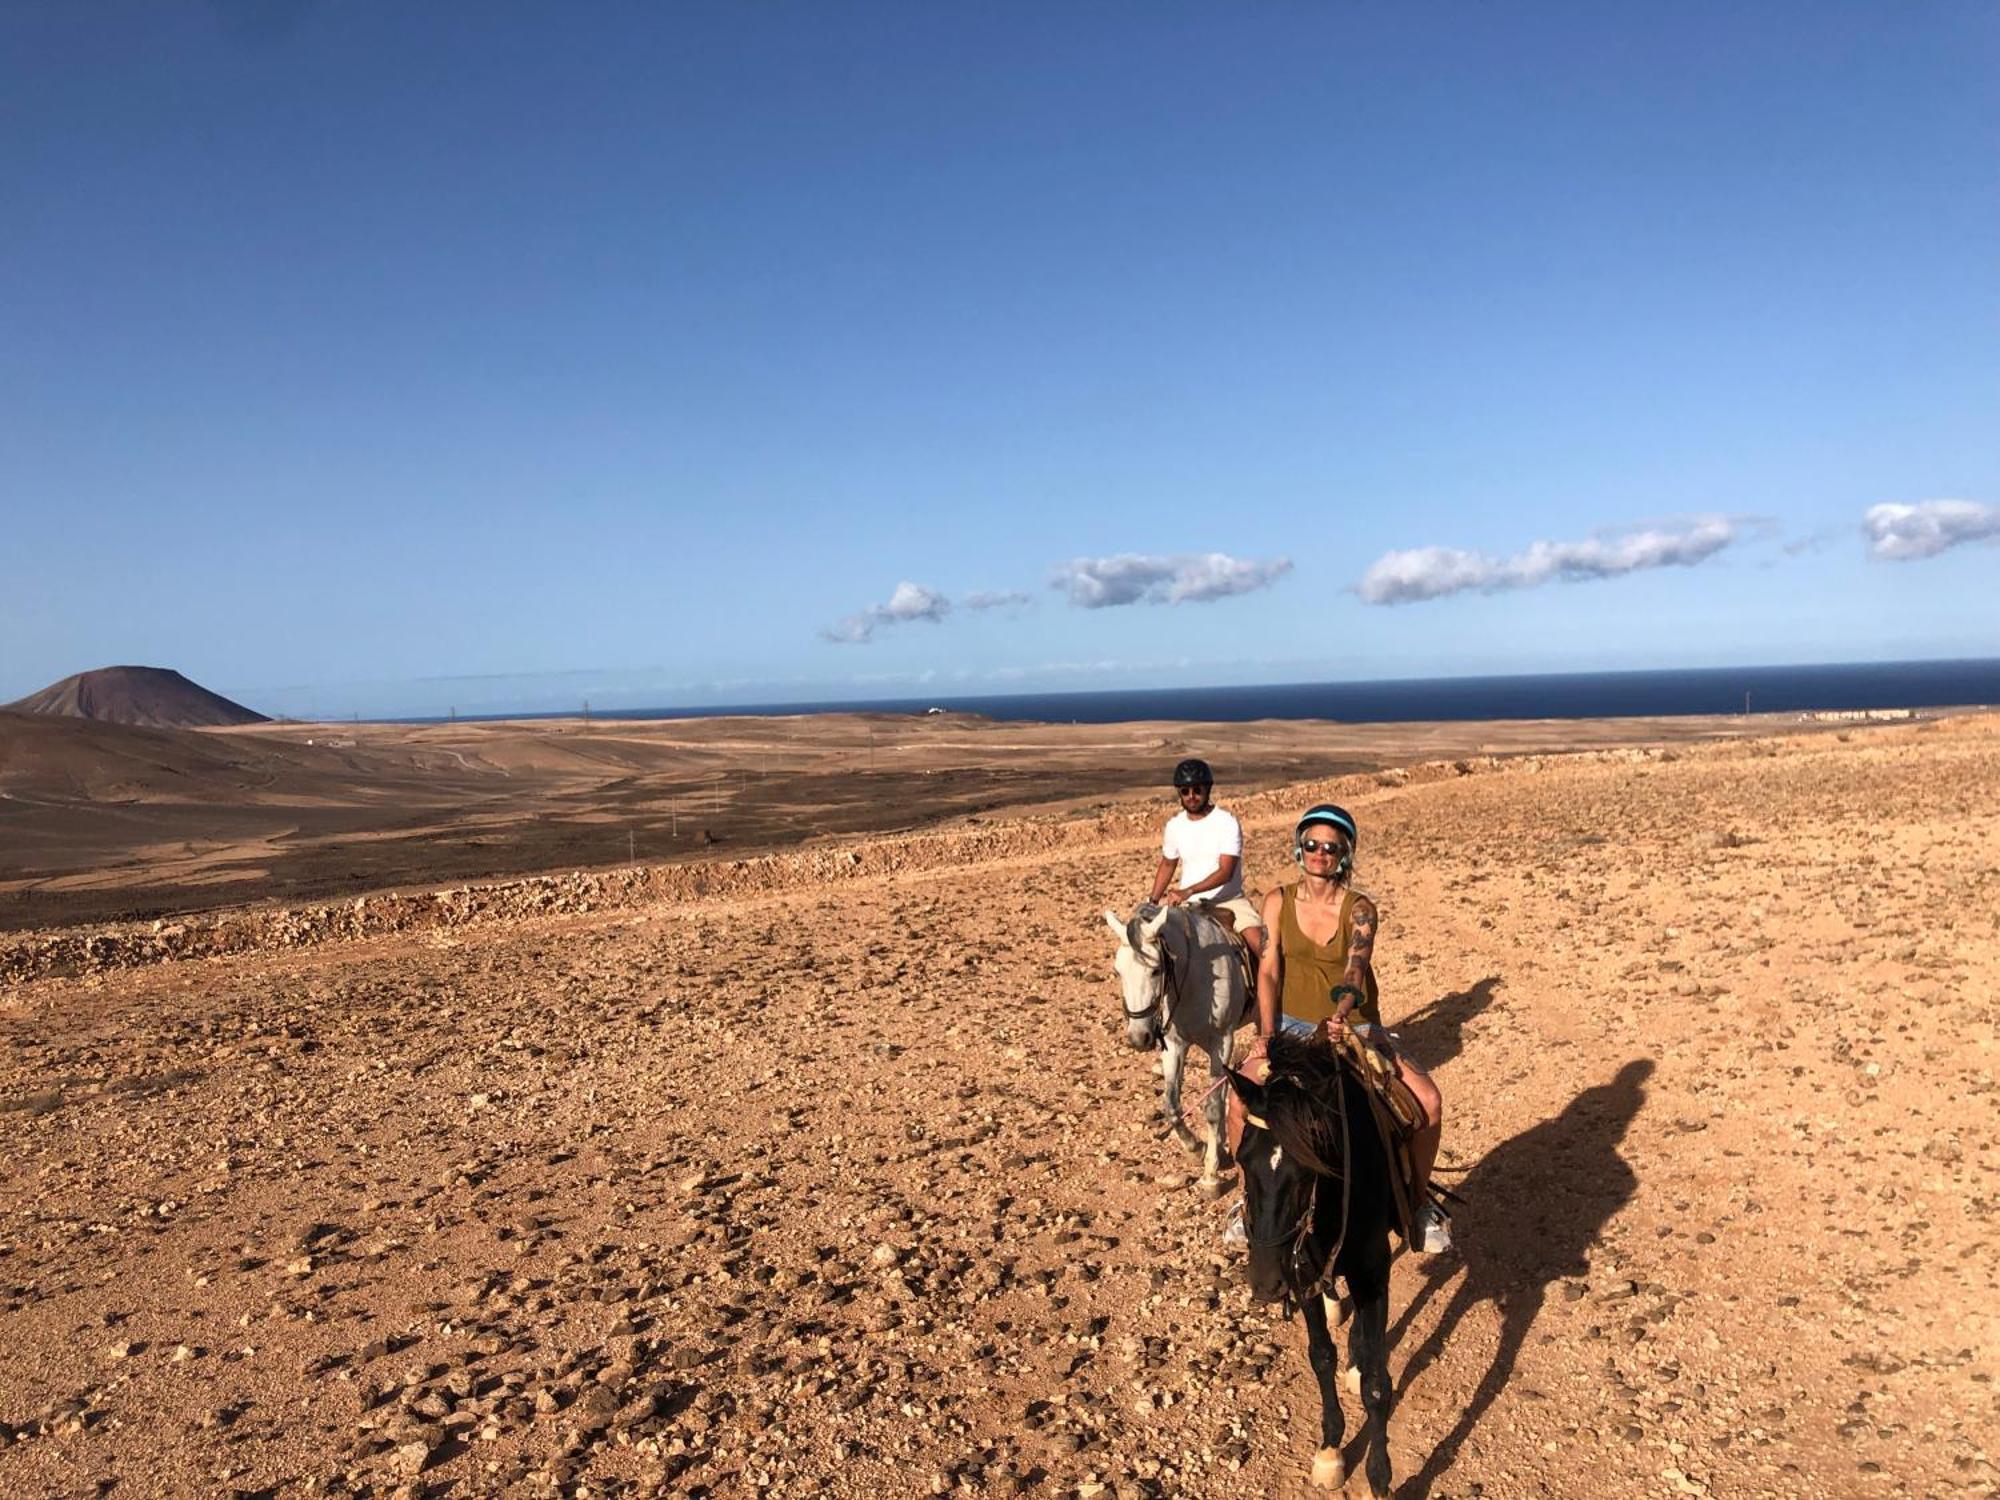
(1319, 970)
(1317, 1206)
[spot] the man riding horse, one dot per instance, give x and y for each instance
(1206, 843)
(1320, 973)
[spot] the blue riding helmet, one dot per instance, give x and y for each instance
(1326, 812)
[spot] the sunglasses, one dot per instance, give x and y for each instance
(1314, 846)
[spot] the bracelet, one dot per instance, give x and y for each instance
(1333, 995)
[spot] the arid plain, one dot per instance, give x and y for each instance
(824, 1170)
(105, 821)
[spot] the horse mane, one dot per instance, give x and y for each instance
(1188, 921)
(1146, 912)
(1302, 1101)
(1177, 916)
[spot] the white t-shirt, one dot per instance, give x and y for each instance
(1199, 844)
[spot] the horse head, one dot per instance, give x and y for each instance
(1142, 974)
(1291, 1149)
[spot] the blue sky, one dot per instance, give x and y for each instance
(386, 358)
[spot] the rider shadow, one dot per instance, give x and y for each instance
(1432, 1035)
(1534, 1208)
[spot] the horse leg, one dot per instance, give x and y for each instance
(1172, 1062)
(1329, 1469)
(1338, 1311)
(1212, 1113)
(1368, 1348)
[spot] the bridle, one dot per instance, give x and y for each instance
(1170, 989)
(1151, 1007)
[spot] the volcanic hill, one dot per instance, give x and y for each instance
(155, 697)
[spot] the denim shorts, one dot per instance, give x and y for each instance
(1294, 1026)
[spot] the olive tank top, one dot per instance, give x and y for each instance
(1313, 969)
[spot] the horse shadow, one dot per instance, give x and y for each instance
(1534, 1208)
(1434, 1033)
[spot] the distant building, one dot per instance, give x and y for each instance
(1859, 715)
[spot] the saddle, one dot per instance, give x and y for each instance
(1398, 1117)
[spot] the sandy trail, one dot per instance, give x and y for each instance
(854, 1190)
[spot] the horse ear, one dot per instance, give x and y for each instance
(1117, 927)
(1252, 1095)
(1150, 929)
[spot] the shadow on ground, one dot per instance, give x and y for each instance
(1534, 1208)
(1433, 1034)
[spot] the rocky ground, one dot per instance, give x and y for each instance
(851, 1188)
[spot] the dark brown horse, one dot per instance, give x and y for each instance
(1318, 1206)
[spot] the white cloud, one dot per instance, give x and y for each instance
(911, 601)
(1904, 533)
(1432, 572)
(1129, 578)
(995, 598)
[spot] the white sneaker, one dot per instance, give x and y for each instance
(1234, 1232)
(1433, 1229)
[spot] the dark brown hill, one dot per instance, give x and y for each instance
(156, 697)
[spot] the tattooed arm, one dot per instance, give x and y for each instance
(1353, 986)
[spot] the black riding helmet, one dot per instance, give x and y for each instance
(1193, 772)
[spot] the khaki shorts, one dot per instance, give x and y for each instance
(1238, 907)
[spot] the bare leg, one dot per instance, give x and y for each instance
(1424, 1144)
(1329, 1469)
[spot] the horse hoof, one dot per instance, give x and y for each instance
(1186, 1137)
(1351, 1378)
(1213, 1187)
(1329, 1470)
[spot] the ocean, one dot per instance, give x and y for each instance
(1566, 695)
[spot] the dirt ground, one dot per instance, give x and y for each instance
(856, 1191)
(105, 822)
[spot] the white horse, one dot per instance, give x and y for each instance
(1183, 981)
